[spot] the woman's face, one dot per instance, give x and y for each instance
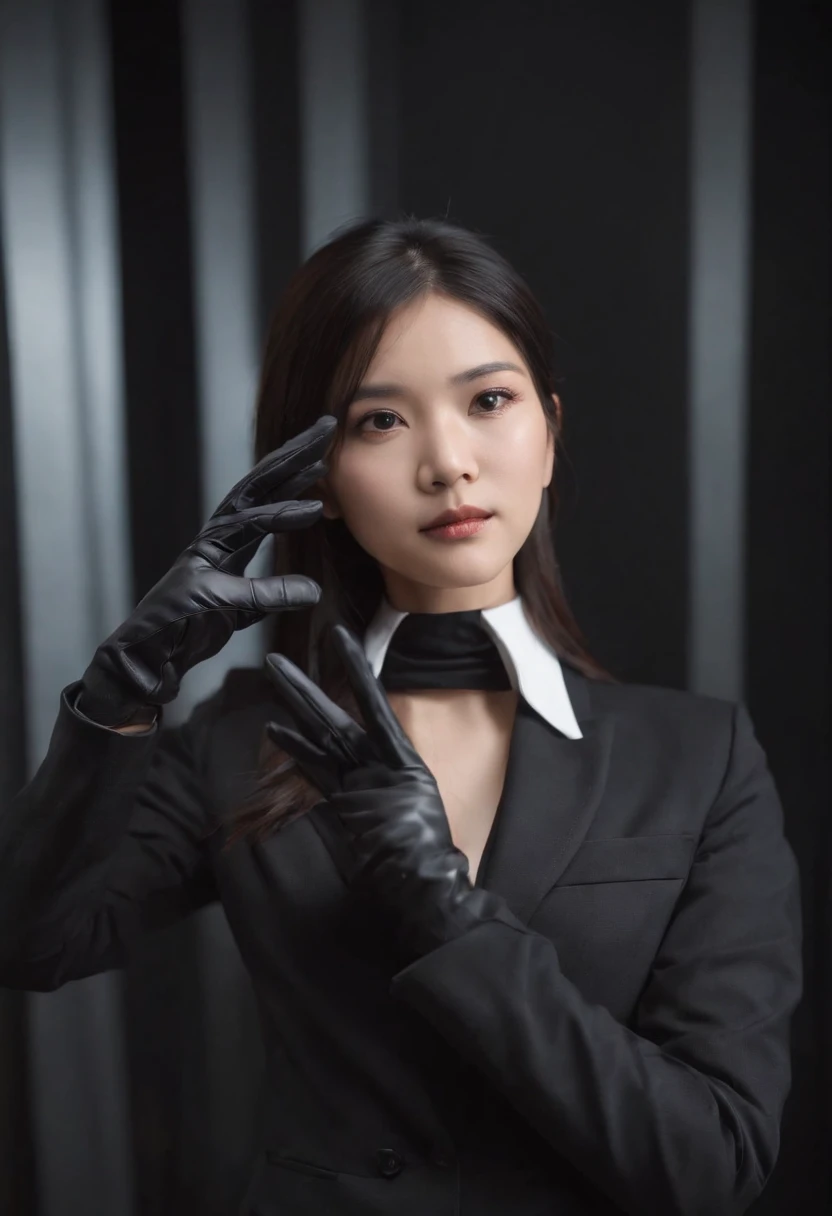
(428, 431)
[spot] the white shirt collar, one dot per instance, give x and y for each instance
(533, 667)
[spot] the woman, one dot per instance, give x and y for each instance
(524, 939)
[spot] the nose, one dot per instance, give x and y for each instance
(446, 455)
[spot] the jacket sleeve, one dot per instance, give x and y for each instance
(681, 1113)
(105, 843)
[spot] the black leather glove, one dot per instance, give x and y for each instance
(204, 598)
(386, 798)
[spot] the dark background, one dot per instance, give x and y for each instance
(563, 131)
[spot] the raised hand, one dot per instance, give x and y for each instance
(384, 796)
(193, 610)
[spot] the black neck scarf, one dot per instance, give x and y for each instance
(443, 650)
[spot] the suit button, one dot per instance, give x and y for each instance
(388, 1162)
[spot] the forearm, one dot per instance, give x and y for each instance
(58, 834)
(651, 1131)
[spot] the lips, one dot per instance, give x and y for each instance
(456, 515)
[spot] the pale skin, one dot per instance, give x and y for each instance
(427, 443)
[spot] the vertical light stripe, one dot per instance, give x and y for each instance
(97, 301)
(719, 325)
(62, 290)
(220, 176)
(57, 595)
(333, 115)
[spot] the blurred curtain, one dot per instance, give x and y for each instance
(656, 172)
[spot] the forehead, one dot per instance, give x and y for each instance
(448, 333)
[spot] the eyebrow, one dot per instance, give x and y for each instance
(371, 392)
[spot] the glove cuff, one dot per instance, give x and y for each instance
(440, 914)
(106, 701)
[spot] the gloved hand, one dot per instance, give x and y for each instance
(386, 798)
(190, 614)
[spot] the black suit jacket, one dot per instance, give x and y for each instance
(622, 1046)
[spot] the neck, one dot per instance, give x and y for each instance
(406, 596)
(469, 708)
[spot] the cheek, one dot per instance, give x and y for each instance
(520, 459)
(363, 486)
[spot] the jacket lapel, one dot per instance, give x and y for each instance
(552, 789)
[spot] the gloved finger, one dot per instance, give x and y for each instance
(382, 724)
(267, 477)
(276, 593)
(284, 592)
(303, 480)
(229, 542)
(325, 724)
(312, 762)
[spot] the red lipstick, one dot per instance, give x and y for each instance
(467, 527)
(456, 523)
(453, 516)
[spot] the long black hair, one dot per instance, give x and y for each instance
(321, 341)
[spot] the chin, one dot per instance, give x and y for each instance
(455, 570)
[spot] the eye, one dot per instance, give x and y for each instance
(501, 397)
(385, 414)
(505, 394)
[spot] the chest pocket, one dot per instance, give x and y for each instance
(608, 912)
(630, 859)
